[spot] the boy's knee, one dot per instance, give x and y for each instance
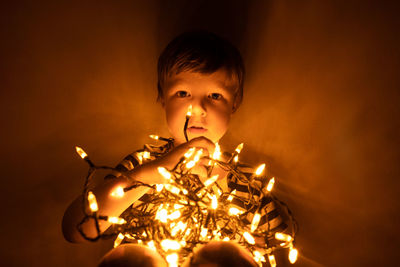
(220, 253)
(132, 255)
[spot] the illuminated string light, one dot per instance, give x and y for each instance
(271, 184)
(249, 238)
(118, 192)
(272, 261)
(118, 240)
(183, 211)
(255, 222)
(81, 152)
(260, 169)
(293, 253)
(92, 202)
(283, 237)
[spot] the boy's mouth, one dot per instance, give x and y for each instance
(197, 129)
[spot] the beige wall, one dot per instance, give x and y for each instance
(320, 109)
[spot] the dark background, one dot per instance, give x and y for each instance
(320, 108)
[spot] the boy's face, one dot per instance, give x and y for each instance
(212, 100)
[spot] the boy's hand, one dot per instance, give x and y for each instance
(148, 172)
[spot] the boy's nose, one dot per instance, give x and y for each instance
(199, 108)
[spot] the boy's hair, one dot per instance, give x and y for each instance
(203, 52)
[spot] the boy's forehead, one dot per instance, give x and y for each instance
(219, 79)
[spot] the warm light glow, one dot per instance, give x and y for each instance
(189, 111)
(230, 198)
(236, 158)
(190, 164)
(255, 222)
(155, 137)
(204, 232)
(81, 153)
(116, 220)
(118, 240)
(146, 154)
(173, 189)
(162, 215)
(159, 187)
(168, 244)
(249, 238)
(283, 237)
(172, 259)
(260, 169)
(92, 202)
(258, 257)
(214, 202)
(198, 155)
(293, 254)
(226, 239)
(175, 215)
(190, 152)
(235, 211)
(239, 148)
(151, 245)
(118, 192)
(211, 180)
(166, 174)
(270, 184)
(272, 260)
(217, 152)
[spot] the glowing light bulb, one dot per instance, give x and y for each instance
(260, 169)
(214, 202)
(92, 202)
(168, 244)
(255, 222)
(166, 174)
(211, 180)
(118, 240)
(293, 254)
(159, 187)
(198, 155)
(226, 239)
(190, 164)
(155, 137)
(175, 215)
(116, 220)
(239, 148)
(235, 211)
(189, 111)
(236, 159)
(173, 189)
(81, 152)
(118, 192)
(272, 261)
(172, 259)
(283, 237)
(270, 184)
(162, 215)
(151, 245)
(230, 197)
(217, 152)
(190, 152)
(146, 154)
(258, 257)
(249, 238)
(204, 232)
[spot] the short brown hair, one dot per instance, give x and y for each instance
(203, 52)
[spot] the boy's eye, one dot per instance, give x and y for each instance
(182, 94)
(216, 96)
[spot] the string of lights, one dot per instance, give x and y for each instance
(185, 212)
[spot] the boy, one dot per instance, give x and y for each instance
(198, 69)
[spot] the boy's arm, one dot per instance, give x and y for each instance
(112, 206)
